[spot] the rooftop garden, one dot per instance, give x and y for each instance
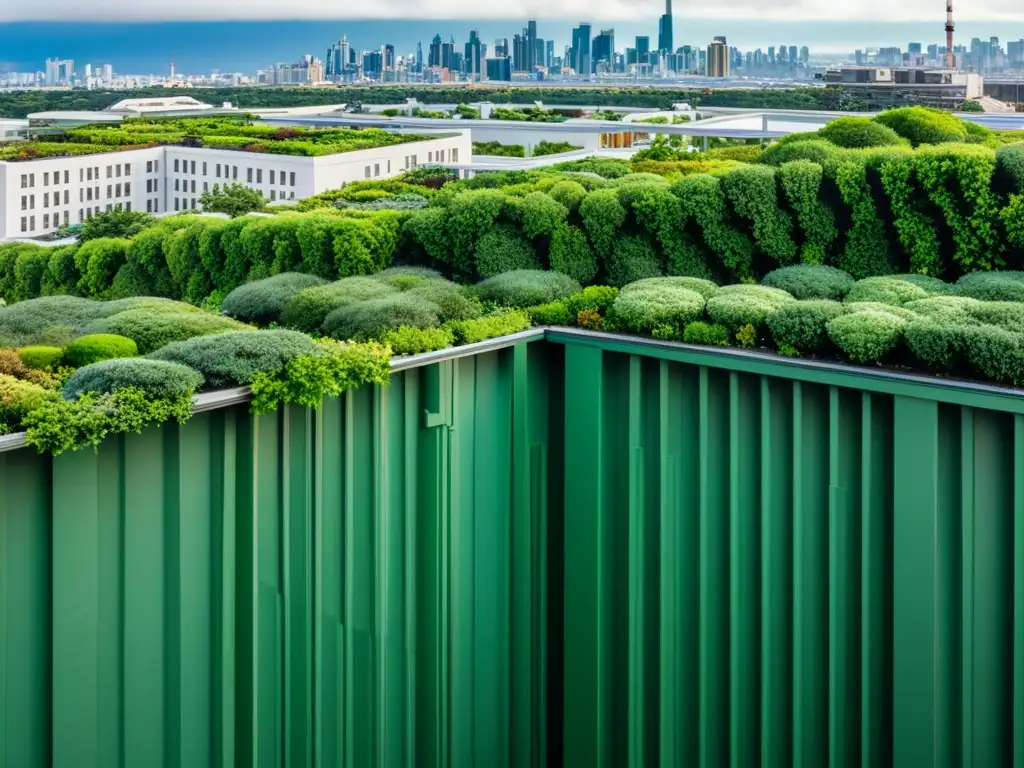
(232, 133)
(860, 246)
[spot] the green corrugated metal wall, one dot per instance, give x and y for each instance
(584, 552)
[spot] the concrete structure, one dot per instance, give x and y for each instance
(718, 58)
(891, 86)
(13, 130)
(37, 197)
(157, 104)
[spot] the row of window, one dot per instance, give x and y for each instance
(28, 223)
(152, 166)
(153, 206)
(282, 178)
(28, 202)
(56, 178)
(152, 185)
(93, 174)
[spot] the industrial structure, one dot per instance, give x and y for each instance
(950, 55)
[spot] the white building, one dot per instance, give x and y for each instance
(39, 196)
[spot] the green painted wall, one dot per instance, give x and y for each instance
(583, 552)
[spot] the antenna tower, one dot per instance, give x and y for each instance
(950, 58)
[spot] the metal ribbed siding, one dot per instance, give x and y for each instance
(775, 566)
(305, 588)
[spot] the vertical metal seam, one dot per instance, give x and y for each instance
(967, 594)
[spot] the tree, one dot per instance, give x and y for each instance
(972, 106)
(114, 224)
(233, 199)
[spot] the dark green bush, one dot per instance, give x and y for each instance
(307, 310)
(595, 298)
(633, 258)
(151, 331)
(568, 193)
(1008, 315)
(995, 353)
(1010, 162)
(371, 319)
(859, 132)
(263, 301)
(571, 255)
(526, 288)
(939, 345)
(986, 286)
(540, 214)
(737, 308)
(489, 327)
(867, 337)
(931, 284)
(398, 275)
(921, 125)
(29, 322)
(705, 288)
(603, 215)
(803, 325)
(99, 347)
(705, 333)
(817, 151)
(886, 290)
(811, 281)
(40, 358)
(149, 303)
(158, 379)
(416, 341)
(504, 249)
(642, 310)
(553, 313)
(234, 359)
(452, 299)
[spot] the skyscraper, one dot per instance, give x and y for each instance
(665, 30)
(643, 49)
(434, 55)
(581, 50)
(474, 56)
(531, 45)
(718, 58)
(604, 48)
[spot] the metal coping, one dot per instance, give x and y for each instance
(740, 360)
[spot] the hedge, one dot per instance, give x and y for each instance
(526, 288)
(151, 331)
(263, 301)
(371, 319)
(99, 347)
(307, 309)
(158, 379)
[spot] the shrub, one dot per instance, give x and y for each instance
(594, 298)
(1008, 315)
(451, 299)
(17, 399)
(540, 214)
(877, 306)
(707, 334)
(803, 325)
(931, 284)
(811, 281)
(603, 215)
(553, 313)
(526, 288)
(1010, 162)
(859, 132)
(817, 151)
(568, 193)
(766, 292)
(151, 331)
(633, 258)
(995, 353)
(644, 309)
(398, 275)
(263, 301)
(234, 359)
(99, 347)
(867, 337)
(589, 318)
(705, 288)
(986, 286)
(944, 308)
(98, 261)
(571, 255)
(370, 319)
(307, 310)
(415, 341)
(30, 322)
(885, 290)
(735, 309)
(503, 249)
(921, 125)
(40, 358)
(150, 303)
(158, 379)
(940, 346)
(489, 327)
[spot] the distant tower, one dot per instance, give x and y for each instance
(950, 58)
(172, 67)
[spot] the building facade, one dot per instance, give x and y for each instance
(38, 197)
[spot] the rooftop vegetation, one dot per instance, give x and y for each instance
(232, 133)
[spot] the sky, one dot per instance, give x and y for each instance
(593, 10)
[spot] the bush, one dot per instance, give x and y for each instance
(40, 358)
(939, 346)
(1008, 315)
(594, 298)
(705, 288)
(503, 249)
(986, 286)
(571, 255)
(553, 313)
(540, 214)
(995, 353)
(151, 331)
(1010, 162)
(811, 281)
(859, 132)
(526, 288)
(707, 334)
(371, 319)
(931, 284)
(32, 322)
(633, 258)
(943, 308)
(397, 276)
(99, 347)
(489, 327)
(921, 125)
(644, 309)
(820, 152)
(867, 337)
(18, 399)
(735, 309)
(876, 306)
(263, 301)
(234, 359)
(803, 325)
(568, 193)
(307, 310)
(158, 379)
(416, 341)
(885, 290)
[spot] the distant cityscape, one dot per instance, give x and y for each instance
(528, 56)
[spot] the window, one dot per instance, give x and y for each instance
(46, 179)
(149, 166)
(430, 157)
(156, 206)
(176, 204)
(32, 183)
(24, 224)
(455, 155)
(218, 170)
(81, 215)
(193, 203)
(273, 195)
(259, 175)
(67, 177)
(117, 191)
(32, 203)
(110, 190)
(367, 171)
(248, 175)
(65, 197)
(127, 169)
(206, 186)
(193, 167)
(88, 194)
(24, 181)
(149, 206)
(177, 185)
(24, 202)
(81, 174)
(149, 185)
(271, 175)
(156, 185)
(127, 188)
(46, 221)
(156, 166)
(88, 174)
(415, 160)
(389, 166)
(117, 170)
(234, 174)
(109, 208)
(32, 221)
(204, 167)
(175, 165)
(65, 218)
(293, 178)
(46, 199)
(193, 185)
(81, 194)
(128, 206)
(110, 172)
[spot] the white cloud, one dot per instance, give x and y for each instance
(565, 10)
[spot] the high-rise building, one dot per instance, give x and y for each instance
(604, 48)
(643, 50)
(581, 60)
(665, 30)
(434, 54)
(501, 47)
(520, 58)
(549, 56)
(419, 58)
(474, 56)
(499, 68)
(718, 58)
(792, 54)
(531, 43)
(805, 55)
(448, 55)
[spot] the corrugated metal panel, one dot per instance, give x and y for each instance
(788, 570)
(306, 588)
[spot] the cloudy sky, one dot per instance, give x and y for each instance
(593, 10)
